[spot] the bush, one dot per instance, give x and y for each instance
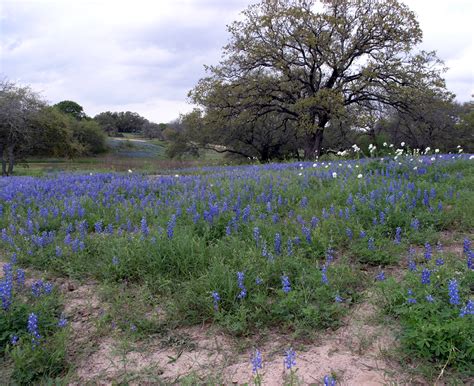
(90, 135)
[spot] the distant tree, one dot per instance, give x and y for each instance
(108, 122)
(121, 122)
(432, 122)
(309, 61)
(52, 134)
(19, 106)
(89, 134)
(153, 130)
(71, 108)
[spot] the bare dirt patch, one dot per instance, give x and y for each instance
(354, 353)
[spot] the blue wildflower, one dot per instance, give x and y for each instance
(398, 235)
(426, 276)
(290, 359)
(324, 277)
(170, 227)
(285, 282)
(329, 381)
(62, 322)
(277, 243)
(20, 277)
(380, 276)
(307, 233)
(256, 361)
(428, 251)
(33, 328)
(453, 292)
(240, 283)
(468, 309)
(371, 244)
(349, 233)
(216, 298)
(429, 298)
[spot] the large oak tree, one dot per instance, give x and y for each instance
(310, 61)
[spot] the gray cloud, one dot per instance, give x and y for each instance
(145, 56)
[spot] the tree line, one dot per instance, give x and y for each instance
(30, 127)
(300, 78)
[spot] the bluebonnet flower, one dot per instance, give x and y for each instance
(349, 233)
(428, 251)
(133, 327)
(398, 235)
(256, 235)
(59, 251)
(240, 283)
(382, 218)
(256, 361)
(98, 226)
(14, 340)
(289, 247)
(275, 218)
(170, 227)
(329, 381)
(62, 322)
(468, 309)
(411, 299)
(216, 298)
(37, 288)
(47, 288)
(314, 222)
(466, 245)
(304, 202)
(20, 277)
(285, 282)
(429, 298)
(371, 244)
(258, 281)
(307, 233)
(362, 234)
(453, 292)
(324, 277)
(6, 287)
(426, 276)
(338, 299)
(277, 243)
(33, 328)
(380, 276)
(115, 260)
(144, 227)
(290, 359)
(329, 255)
(415, 224)
(470, 260)
(439, 261)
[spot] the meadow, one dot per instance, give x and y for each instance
(265, 263)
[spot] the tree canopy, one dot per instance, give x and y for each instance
(309, 62)
(71, 108)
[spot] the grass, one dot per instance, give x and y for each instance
(281, 247)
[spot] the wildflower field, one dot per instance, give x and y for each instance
(270, 261)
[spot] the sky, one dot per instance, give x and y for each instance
(145, 56)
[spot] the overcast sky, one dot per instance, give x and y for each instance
(145, 56)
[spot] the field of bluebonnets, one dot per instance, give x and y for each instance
(288, 247)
